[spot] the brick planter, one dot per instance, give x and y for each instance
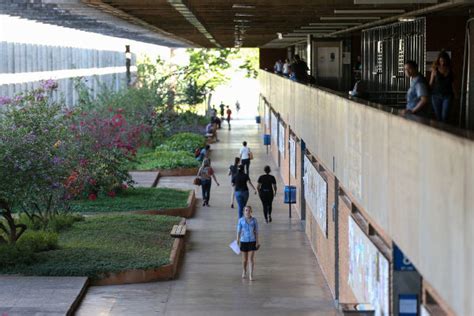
(166, 272)
(186, 212)
(178, 172)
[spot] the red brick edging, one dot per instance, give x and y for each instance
(163, 273)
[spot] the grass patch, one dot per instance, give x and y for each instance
(134, 199)
(102, 244)
(164, 160)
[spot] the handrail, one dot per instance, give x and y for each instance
(464, 133)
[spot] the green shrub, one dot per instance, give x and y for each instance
(63, 221)
(165, 160)
(11, 255)
(56, 223)
(36, 241)
(183, 141)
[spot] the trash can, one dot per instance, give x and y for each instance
(290, 194)
(266, 139)
(257, 119)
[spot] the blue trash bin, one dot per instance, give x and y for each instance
(257, 119)
(290, 194)
(266, 139)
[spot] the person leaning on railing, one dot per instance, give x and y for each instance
(441, 83)
(418, 93)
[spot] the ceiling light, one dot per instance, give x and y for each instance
(280, 36)
(332, 18)
(243, 14)
(368, 11)
(407, 19)
(242, 6)
(242, 21)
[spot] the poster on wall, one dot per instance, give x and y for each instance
(328, 62)
(292, 157)
(281, 139)
(267, 116)
(315, 194)
(274, 128)
(368, 271)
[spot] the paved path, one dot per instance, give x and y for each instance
(288, 280)
(25, 296)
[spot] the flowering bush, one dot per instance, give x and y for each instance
(37, 154)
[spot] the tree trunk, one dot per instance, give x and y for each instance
(14, 231)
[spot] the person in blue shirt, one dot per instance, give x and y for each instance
(418, 93)
(247, 238)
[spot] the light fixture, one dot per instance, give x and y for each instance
(336, 23)
(241, 21)
(280, 36)
(406, 19)
(335, 18)
(386, 11)
(242, 6)
(243, 14)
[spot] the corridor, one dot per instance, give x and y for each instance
(288, 280)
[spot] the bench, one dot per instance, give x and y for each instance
(178, 231)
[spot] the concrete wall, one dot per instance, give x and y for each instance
(415, 182)
(65, 63)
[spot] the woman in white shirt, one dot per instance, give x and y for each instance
(245, 157)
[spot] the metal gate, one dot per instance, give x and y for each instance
(385, 49)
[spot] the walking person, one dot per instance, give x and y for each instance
(441, 83)
(229, 113)
(233, 169)
(206, 174)
(245, 156)
(241, 189)
(267, 190)
(247, 238)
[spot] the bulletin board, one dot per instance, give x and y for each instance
(368, 271)
(292, 142)
(274, 127)
(281, 139)
(316, 194)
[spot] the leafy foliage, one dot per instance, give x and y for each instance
(184, 142)
(136, 199)
(165, 160)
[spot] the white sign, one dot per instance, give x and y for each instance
(281, 139)
(292, 157)
(315, 193)
(274, 126)
(368, 271)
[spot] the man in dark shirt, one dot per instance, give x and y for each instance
(300, 69)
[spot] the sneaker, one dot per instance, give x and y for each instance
(204, 203)
(270, 218)
(251, 277)
(266, 220)
(232, 205)
(244, 274)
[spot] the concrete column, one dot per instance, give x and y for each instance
(29, 57)
(3, 57)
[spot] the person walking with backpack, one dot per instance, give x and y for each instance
(245, 156)
(267, 190)
(233, 169)
(206, 174)
(241, 189)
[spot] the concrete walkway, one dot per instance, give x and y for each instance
(33, 296)
(288, 280)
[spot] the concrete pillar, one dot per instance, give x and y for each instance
(3, 57)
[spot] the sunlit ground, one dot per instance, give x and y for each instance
(239, 88)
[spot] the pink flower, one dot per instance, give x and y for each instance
(92, 197)
(111, 194)
(124, 186)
